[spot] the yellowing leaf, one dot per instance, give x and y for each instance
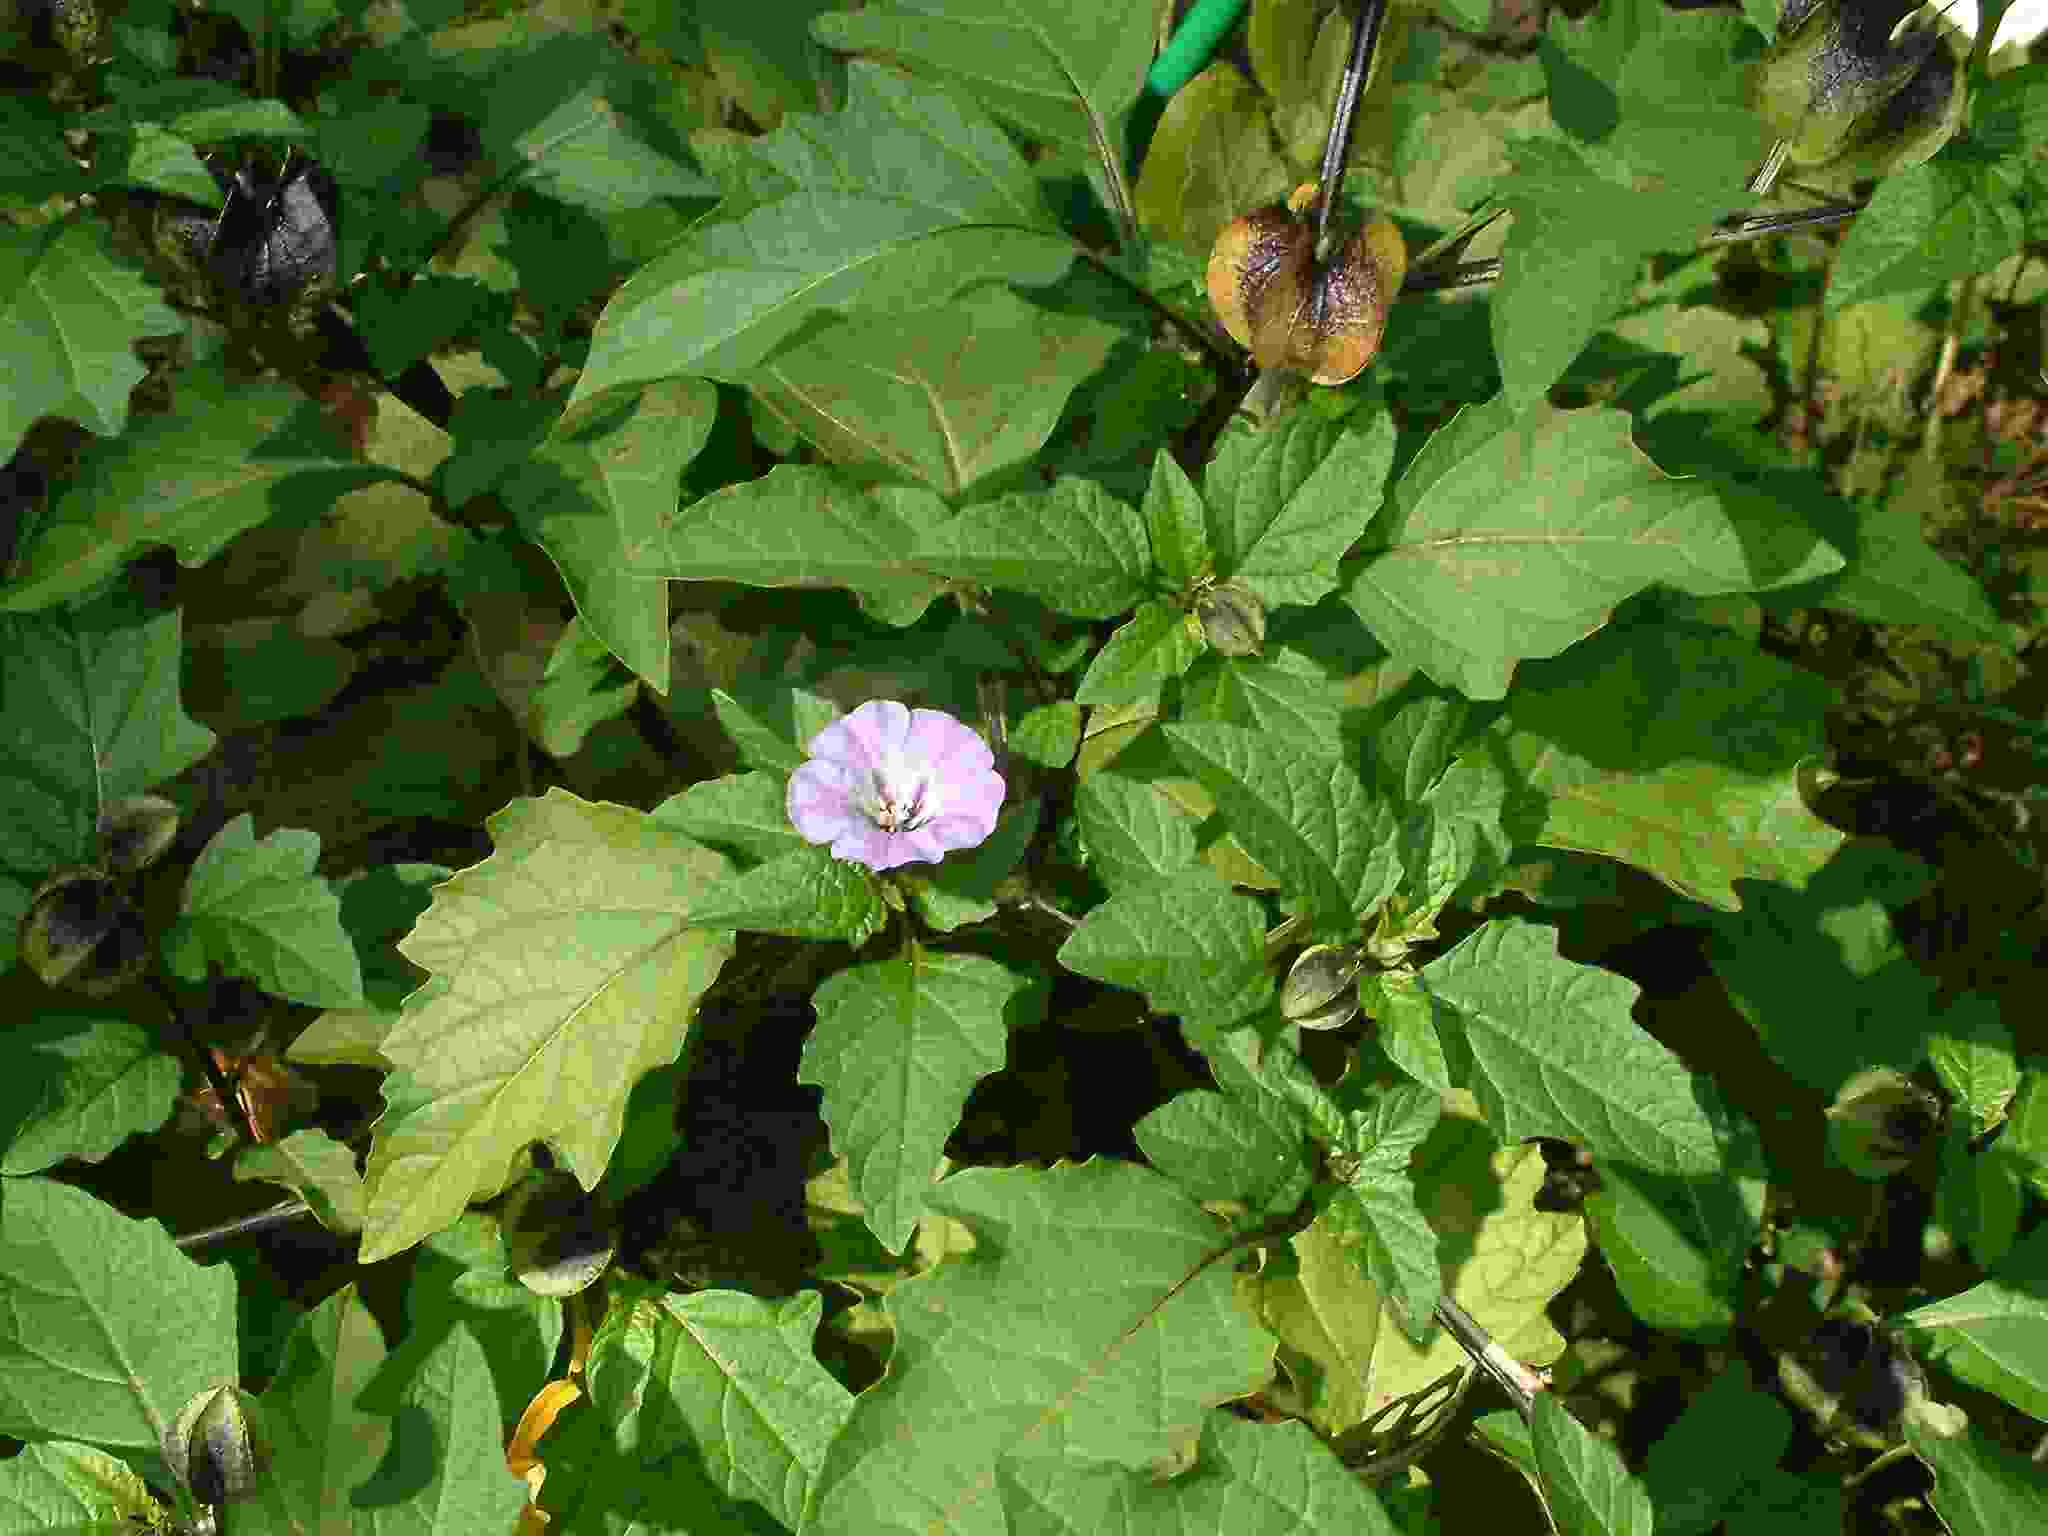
(562, 972)
(1504, 1260)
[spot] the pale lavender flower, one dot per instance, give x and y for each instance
(887, 785)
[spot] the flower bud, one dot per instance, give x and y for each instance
(80, 931)
(1324, 319)
(1233, 620)
(135, 832)
(1837, 65)
(216, 1447)
(1321, 989)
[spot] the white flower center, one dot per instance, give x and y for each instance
(901, 797)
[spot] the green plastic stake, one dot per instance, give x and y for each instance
(1192, 43)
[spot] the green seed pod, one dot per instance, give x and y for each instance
(80, 932)
(558, 1236)
(1855, 1380)
(1879, 1121)
(134, 833)
(216, 1447)
(1835, 65)
(1908, 129)
(71, 26)
(1233, 620)
(1321, 989)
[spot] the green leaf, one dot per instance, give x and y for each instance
(1028, 1347)
(1048, 735)
(771, 726)
(80, 1085)
(1074, 547)
(1374, 1216)
(227, 456)
(262, 118)
(805, 526)
(763, 55)
(962, 890)
(2026, 1133)
(1191, 944)
(1064, 71)
(1582, 231)
(1893, 575)
(1255, 474)
(256, 908)
(1790, 954)
(1217, 1147)
(906, 197)
(1980, 1195)
(1512, 536)
(263, 671)
(69, 320)
(948, 396)
(1503, 1260)
(1971, 1050)
(1293, 559)
(93, 711)
(598, 507)
(32, 151)
(1555, 1053)
(1678, 1247)
(1291, 1479)
(323, 1444)
(747, 813)
(567, 962)
(1211, 158)
(584, 686)
(316, 1168)
(1687, 125)
(1980, 1487)
(123, 1330)
(1586, 1485)
(1303, 815)
(806, 894)
(582, 154)
(373, 140)
(1281, 695)
(1155, 645)
(1729, 1434)
(1176, 524)
(1995, 1334)
(378, 908)
(897, 1048)
(1676, 750)
(2009, 112)
(1600, 42)
(1133, 834)
(1327, 1315)
(460, 1278)
(62, 1488)
(599, 1478)
(454, 1479)
(1935, 221)
(728, 1378)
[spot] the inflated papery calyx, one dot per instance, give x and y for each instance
(1838, 65)
(1324, 319)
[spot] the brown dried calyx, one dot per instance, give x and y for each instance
(1321, 319)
